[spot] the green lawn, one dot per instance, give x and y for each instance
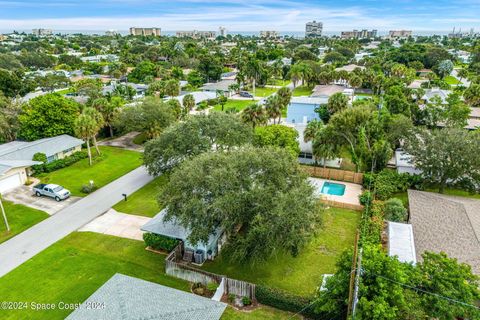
(448, 191)
(302, 274)
(264, 92)
(111, 165)
(262, 312)
(239, 105)
(143, 202)
(19, 218)
(278, 82)
(75, 267)
(302, 91)
(451, 80)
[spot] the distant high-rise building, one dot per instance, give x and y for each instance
(356, 34)
(313, 29)
(145, 31)
(111, 33)
(399, 33)
(195, 34)
(222, 31)
(269, 34)
(42, 32)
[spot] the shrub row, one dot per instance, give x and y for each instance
(159, 242)
(285, 301)
(58, 164)
(372, 224)
(388, 182)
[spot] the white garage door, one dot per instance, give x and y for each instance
(10, 182)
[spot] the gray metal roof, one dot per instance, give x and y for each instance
(20, 150)
(6, 165)
(446, 223)
(131, 298)
(169, 228)
(220, 85)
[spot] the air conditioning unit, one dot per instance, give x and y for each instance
(199, 257)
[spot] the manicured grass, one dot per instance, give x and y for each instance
(19, 218)
(302, 91)
(261, 312)
(112, 164)
(302, 274)
(143, 202)
(239, 105)
(451, 80)
(448, 191)
(278, 82)
(75, 267)
(264, 92)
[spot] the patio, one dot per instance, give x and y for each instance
(350, 197)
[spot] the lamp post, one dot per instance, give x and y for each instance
(4, 215)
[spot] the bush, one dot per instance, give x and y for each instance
(57, 164)
(231, 297)
(388, 182)
(365, 198)
(159, 242)
(212, 286)
(372, 223)
(246, 301)
(285, 301)
(395, 211)
(89, 188)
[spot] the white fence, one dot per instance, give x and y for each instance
(220, 291)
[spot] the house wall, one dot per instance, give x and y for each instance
(65, 153)
(409, 170)
(301, 113)
(22, 171)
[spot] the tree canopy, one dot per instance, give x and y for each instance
(277, 135)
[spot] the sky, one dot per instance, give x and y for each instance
(240, 15)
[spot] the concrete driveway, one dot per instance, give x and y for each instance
(117, 224)
(24, 195)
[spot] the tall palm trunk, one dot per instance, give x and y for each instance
(96, 145)
(89, 152)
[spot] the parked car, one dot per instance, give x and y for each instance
(51, 190)
(245, 94)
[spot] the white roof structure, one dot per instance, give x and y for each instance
(309, 100)
(401, 242)
(199, 96)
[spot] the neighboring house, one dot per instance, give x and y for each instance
(16, 157)
(171, 229)
(222, 85)
(350, 68)
(403, 162)
(417, 83)
(197, 95)
(401, 242)
(435, 92)
(447, 224)
(327, 90)
(232, 75)
(124, 297)
(302, 109)
(473, 122)
(100, 58)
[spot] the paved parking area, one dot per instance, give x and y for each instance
(117, 224)
(24, 195)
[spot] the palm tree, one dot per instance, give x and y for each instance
(321, 146)
(295, 74)
(98, 122)
(188, 103)
(273, 107)
(254, 114)
(285, 95)
(312, 130)
(85, 127)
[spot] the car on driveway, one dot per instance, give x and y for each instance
(245, 94)
(51, 190)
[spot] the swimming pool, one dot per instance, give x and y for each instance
(336, 189)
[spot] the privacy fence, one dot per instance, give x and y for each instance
(334, 174)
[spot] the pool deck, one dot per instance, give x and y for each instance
(350, 197)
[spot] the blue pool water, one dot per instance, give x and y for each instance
(336, 189)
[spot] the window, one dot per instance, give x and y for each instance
(68, 150)
(52, 158)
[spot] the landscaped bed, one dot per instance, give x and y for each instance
(20, 218)
(303, 274)
(143, 202)
(112, 164)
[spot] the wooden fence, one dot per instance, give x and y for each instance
(182, 270)
(343, 205)
(334, 174)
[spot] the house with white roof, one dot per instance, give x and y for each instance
(16, 157)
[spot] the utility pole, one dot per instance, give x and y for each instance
(357, 283)
(4, 215)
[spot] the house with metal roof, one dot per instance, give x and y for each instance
(222, 85)
(16, 157)
(172, 229)
(129, 298)
(443, 223)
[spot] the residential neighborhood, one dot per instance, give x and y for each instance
(151, 172)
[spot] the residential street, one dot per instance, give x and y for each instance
(27, 244)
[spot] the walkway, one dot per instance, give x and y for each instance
(125, 142)
(27, 244)
(118, 224)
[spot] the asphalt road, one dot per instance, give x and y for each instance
(27, 244)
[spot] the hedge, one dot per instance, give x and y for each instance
(159, 242)
(60, 163)
(388, 182)
(372, 223)
(285, 301)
